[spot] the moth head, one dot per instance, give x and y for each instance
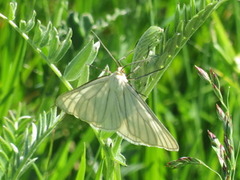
(120, 71)
(121, 74)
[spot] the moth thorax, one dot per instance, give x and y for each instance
(120, 75)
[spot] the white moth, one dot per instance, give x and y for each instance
(110, 103)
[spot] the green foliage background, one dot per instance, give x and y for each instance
(181, 100)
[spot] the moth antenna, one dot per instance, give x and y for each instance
(135, 62)
(134, 70)
(94, 67)
(124, 57)
(149, 73)
(118, 63)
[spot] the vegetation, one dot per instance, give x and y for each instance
(49, 47)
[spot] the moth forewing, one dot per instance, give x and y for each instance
(110, 103)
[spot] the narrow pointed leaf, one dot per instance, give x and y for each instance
(31, 22)
(22, 25)
(45, 35)
(8, 135)
(54, 44)
(85, 57)
(65, 45)
(147, 43)
(34, 133)
(85, 70)
(13, 8)
(4, 159)
(82, 166)
(37, 33)
(5, 146)
(14, 148)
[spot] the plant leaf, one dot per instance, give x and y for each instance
(85, 57)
